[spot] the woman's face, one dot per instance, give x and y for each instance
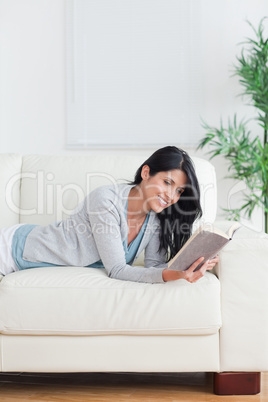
(163, 189)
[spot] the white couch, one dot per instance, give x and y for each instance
(74, 319)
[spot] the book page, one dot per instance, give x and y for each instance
(233, 229)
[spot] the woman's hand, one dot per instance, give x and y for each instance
(190, 274)
(212, 262)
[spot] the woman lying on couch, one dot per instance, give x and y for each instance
(115, 223)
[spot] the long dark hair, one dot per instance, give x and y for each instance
(176, 221)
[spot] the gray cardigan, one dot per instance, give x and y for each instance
(96, 231)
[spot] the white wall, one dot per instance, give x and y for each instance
(32, 74)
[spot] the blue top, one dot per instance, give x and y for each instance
(18, 243)
(131, 250)
(22, 232)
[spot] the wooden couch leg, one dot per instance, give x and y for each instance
(237, 383)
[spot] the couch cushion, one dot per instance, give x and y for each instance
(84, 301)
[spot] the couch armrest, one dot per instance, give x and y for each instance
(243, 274)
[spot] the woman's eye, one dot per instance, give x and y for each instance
(167, 182)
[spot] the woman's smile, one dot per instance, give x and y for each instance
(162, 202)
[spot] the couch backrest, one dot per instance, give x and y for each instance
(42, 189)
(10, 174)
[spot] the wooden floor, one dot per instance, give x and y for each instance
(117, 387)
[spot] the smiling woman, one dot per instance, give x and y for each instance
(168, 183)
(115, 223)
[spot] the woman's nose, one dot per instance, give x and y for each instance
(171, 194)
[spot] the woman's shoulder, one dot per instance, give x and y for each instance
(118, 189)
(109, 194)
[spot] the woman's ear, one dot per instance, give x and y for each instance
(145, 172)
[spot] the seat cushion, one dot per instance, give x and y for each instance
(85, 301)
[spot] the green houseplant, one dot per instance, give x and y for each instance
(247, 155)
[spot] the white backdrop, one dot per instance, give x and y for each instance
(33, 94)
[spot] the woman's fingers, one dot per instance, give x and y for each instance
(195, 264)
(193, 276)
(211, 263)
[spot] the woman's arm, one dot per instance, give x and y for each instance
(105, 222)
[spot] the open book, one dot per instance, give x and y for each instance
(206, 242)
